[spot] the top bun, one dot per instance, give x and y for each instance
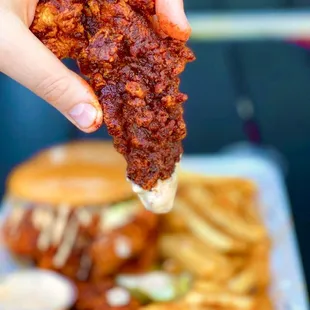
(77, 174)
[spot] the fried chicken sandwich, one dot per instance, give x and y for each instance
(70, 209)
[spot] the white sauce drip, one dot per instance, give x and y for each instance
(58, 229)
(122, 247)
(159, 199)
(65, 248)
(43, 220)
(63, 213)
(16, 217)
(118, 297)
(84, 216)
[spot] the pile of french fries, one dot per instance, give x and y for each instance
(216, 234)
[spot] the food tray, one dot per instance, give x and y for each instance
(288, 289)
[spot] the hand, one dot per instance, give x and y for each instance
(24, 58)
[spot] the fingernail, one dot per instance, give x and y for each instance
(84, 114)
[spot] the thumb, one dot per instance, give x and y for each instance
(24, 58)
(172, 19)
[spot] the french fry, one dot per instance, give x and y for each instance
(215, 232)
(228, 221)
(171, 265)
(263, 302)
(166, 306)
(207, 233)
(171, 222)
(238, 261)
(223, 299)
(211, 289)
(250, 213)
(245, 186)
(182, 305)
(207, 286)
(195, 257)
(234, 192)
(254, 274)
(244, 282)
(260, 262)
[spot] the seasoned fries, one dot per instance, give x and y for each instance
(195, 256)
(230, 222)
(207, 233)
(220, 299)
(215, 233)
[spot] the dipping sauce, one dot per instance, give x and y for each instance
(36, 290)
(159, 199)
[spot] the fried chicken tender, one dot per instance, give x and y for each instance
(134, 70)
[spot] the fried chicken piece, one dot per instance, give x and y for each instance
(133, 68)
(95, 253)
(21, 241)
(99, 296)
(122, 247)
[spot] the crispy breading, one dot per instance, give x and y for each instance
(134, 71)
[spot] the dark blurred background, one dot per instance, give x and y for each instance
(257, 91)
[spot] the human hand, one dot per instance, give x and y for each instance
(24, 58)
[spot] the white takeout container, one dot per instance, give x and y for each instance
(288, 288)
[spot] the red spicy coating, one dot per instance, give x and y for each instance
(133, 68)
